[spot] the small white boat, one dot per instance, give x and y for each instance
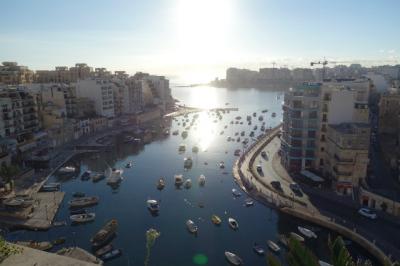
(258, 249)
(323, 263)
(233, 223)
(114, 176)
(273, 246)
(221, 165)
(249, 202)
(307, 232)
(67, 170)
(297, 237)
(178, 180)
(191, 226)
(128, 165)
(236, 193)
(202, 180)
(160, 184)
(153, 205)
(83, 218)
(233, 258)
(188, 183)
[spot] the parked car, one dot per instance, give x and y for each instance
(276, 185)
(295, 187)
(263, 154)
(367, 213)
(259, 168)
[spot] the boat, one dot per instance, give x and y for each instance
(191, 226)
(202, 180)
(195, 149)
(128, 139)
(264, 111)
(297, 237)
(251, 134)
(97, 177)
(175, 133)
(228, 138)
(260, 118)
(254, 114)
(184, 134)
(255, 128)
(273, 246)
(178, 180)
(258, 249)
(51, 187)
(233, 223)
(273, 115)
(59, 241)
(104, 234)
(111, 255)
(249, 202)
(128, 165)
(233, 258)
(78, 211)
(248, 118)
(18, 202)
(242, 133)
(236, 192)
(86, 175)
(59, 223)
(78, 194)
(83, 218)
(182, 148)
(323, 263)
(222, 132)
(237, 152)
(153, 205)
(66, 170)
(83, 202)
(187, 162)
(43, 246)
(160, 184)
(113, 175)
(188, 183)
(283, 240)
(221, 164)
(104, 250)
(166, 132)
(307, 232)
(238, 117)
(216, 220)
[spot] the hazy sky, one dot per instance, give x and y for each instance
(196, 38)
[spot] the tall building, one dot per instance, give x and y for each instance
(13, 74)
(62, 74)
(389, 112)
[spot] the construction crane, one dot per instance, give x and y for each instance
(323, 63)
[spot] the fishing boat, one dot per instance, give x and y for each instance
(153, 205)
(191, 226)
(307, 232)
(128, 165)
(104, 250)
(51, 187)
(188, 183)
(202, 180)
(78, 194)
(236, 193)
(273, 246)
(182, 148)
(216, 220)
(233, 258)
(233, 223)
(113, 176)
(86, 175)
(187, 162)
(83, 218)
(160, 184)
(258, 249)
(249, 202)
(83, 202)
(59, 241)
(297, 237)
(221, 165)
(178, 180)
(111, 255)
(104, 234)
(66, 170)
(45, 245)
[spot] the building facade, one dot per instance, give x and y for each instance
(13, 74)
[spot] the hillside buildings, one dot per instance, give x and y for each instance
(13, 74)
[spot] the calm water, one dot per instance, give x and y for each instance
(160, 158)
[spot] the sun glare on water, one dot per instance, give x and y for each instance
(206, 130)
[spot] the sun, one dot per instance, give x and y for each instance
(202, 29)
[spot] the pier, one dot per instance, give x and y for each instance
(183, 110)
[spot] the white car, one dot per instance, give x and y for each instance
(367, 213)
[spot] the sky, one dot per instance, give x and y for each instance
(197, 40)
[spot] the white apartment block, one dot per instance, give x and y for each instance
(101, 92)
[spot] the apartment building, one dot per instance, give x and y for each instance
(346, 155)
(101, 92)
(158, 88)
(389, 111)
(63, 74)
(13, 74)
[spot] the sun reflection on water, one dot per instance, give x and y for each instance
(206, 130)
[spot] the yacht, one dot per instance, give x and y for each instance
(153, 205)
(202, 180)
(233, 258)
(178, 180)
(191, 226)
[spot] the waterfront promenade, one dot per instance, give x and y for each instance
(258, 185)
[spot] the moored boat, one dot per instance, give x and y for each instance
(114, 176)
(202, 180)
(283, 240)
(59, 241)
(161, 184)
(128, 165)
(78, 194)
(83, 218)
(258, 249)
(83, 202)
(182, 148)
(86, 175)
(249, 202)
(105, 234)
(273, 246)
(233, 258)
(97, 177)
(188, 183)
(104, 250)
(191, 226)
(153, 205)
(307, 232)
(215, 219)
(187, 162)
(221, 165)
(111, 255)
(195, 149)
(50, 187)
(233, 223)
(297, 237)
(236, 193)
(178, 180)
(45, 245)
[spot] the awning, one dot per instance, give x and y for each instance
(312, 176)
